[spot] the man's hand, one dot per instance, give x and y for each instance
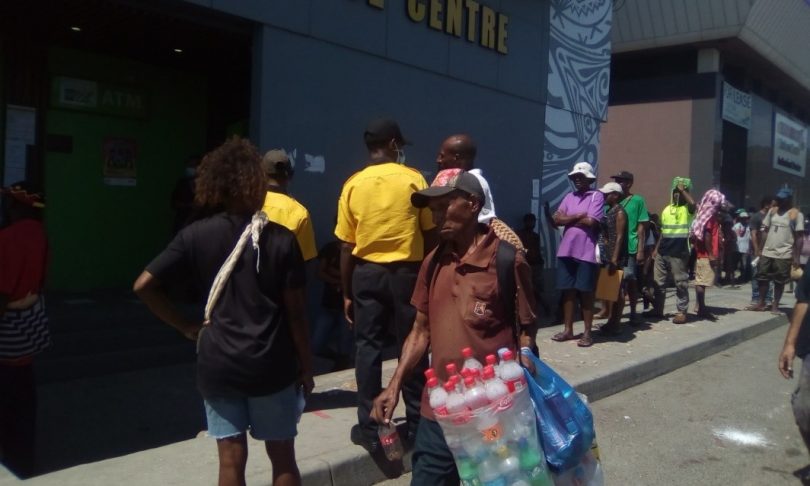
(193, 332)
(306, 381)
(383, 408)
(786, 361)
(528, 363)
(640, 255)
(348, 311)
(612, 267)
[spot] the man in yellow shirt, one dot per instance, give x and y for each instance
(282, 208)
(384, 241)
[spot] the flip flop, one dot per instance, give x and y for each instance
(562, 337)
(755, 308)
(585, 342)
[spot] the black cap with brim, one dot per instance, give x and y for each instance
(383, 130)
(422, 198)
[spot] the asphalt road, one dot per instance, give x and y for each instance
(723, 420)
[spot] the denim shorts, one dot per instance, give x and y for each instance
(576, 274)
(269, 417)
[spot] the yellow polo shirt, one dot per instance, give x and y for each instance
(375, 213)
(286, 211)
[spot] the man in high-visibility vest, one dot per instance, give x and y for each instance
(672, 251)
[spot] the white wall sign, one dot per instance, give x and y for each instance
(21, 122)
(736, 106)
(789, 145)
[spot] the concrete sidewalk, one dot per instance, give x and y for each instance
(325, 454)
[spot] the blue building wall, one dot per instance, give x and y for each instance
(324, 68)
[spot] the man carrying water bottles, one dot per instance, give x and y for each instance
(459, 305)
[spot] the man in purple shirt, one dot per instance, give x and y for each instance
(580, 213)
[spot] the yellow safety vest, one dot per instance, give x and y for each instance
(675, 221)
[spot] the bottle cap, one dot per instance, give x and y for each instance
(508, 355)
(467, 352)
(489, 372)
(430, 373)
(451, 369)
(491, 359)
(466, 372)
(469, 381)
(432, 382)
(449, 386)
(454, 379)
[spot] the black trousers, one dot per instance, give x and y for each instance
(18, 411)
(432, 460)
(382, 296)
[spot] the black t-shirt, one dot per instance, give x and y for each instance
(248, 349)
(803, 295)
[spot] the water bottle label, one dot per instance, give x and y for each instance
(504, 403)
(492, 434)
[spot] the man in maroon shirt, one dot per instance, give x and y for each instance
(459, 304)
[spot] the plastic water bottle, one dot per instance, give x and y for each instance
(437, 397)
(489, 474)
(510, 464)
(455, 402)
(475, 396)
(430, 373)
(493, 386)
(512, 373)
(468, 473)
(533, 464)
(492, 360)
(452, 373)
(389, 438)
(470, 363)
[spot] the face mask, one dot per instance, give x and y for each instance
(400, 155)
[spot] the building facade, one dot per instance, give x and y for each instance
(715, 90)
(105, 101)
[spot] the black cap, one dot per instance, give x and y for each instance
(447, 181)
(383, 130)
(624, 175)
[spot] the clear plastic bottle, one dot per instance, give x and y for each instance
(389, 439)
(452, 373)
(512, 372)
(437, 397)
(475, 396)
(533, 465)
(510, 464)
(489, 473)
(494, 387)
(455, 402)
(470, 363)
(492, 360)
(468, 473)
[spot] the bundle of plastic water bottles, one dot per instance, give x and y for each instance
(488, 421)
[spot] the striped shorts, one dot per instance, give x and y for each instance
(24, 332)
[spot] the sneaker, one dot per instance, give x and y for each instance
(371, 444)
(680, 318)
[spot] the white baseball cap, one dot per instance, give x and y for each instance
(583, 168)
(611, 187)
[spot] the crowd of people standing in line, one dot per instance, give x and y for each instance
(431, 264)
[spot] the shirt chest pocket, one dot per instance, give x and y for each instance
(481, 308)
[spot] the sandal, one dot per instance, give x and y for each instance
(562, 337)
(585, 342)
(756, 308)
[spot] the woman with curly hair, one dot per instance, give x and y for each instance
(253, 360)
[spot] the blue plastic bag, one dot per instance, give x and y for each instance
(564, 421)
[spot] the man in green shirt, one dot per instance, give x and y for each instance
(637, 221)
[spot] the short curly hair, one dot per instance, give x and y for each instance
(231, 178)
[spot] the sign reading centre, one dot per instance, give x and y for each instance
(460, 17)
(789, 145)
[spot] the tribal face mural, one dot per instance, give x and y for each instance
(578, 81)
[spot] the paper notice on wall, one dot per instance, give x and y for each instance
(20, 133)
(536, 188)
(315, 163)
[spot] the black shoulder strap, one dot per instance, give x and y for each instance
(434, 261)
(505, 269)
